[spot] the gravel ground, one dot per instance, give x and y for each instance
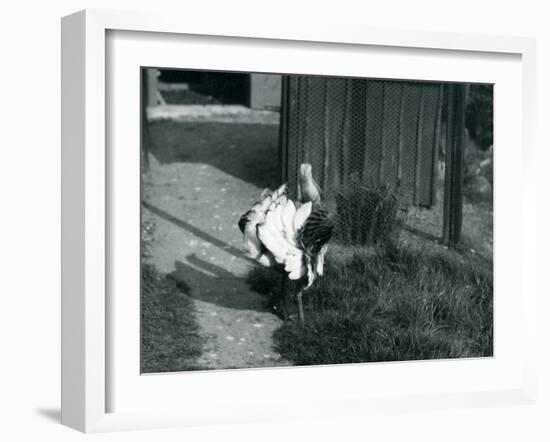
(202, 178)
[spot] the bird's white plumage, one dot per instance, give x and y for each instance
(275, 216)
(294, 265)
(274, 241)
(266, 260)
(274, 223)
(251, 242)
(277, 229)
(310, 274)
(287, 217)
(301, 216)
(319, 265)
(272, 226)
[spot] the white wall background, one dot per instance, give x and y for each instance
(30, 217)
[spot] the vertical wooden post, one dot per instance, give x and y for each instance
(145, 138)
(283, 127)
(454, 164)
(401, 142)
(346, 137)
(291, 146)
(418, 151)
(152, 86)
(437, 135)
(326, 136)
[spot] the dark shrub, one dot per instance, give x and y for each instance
(479, 114)
(366, 215)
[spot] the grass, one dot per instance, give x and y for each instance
(170, 339)
(391, 304)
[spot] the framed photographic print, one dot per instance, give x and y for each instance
(281, 222)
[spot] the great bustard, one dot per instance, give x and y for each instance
(290, 235)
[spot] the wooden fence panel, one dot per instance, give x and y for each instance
(377, 131)
(427, 157)
(314, 136)
(374, 118)
(335, 123)
(391, 129)
(409, 142)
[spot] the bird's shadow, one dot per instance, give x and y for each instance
(206, 281)
(197, 232)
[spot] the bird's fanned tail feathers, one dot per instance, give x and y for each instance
(293, 235)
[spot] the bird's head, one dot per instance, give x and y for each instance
(309, 190)
(305, 171)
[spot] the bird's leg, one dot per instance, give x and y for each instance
(299, 302)
(283, 302)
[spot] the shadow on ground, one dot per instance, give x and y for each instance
(198, 232)
(246, 151)
(211, 283)
(204, 280)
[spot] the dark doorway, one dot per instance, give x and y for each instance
(205, 87)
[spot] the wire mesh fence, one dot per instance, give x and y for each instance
(380, 150)
(375, 150)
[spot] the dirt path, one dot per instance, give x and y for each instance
(196, 206)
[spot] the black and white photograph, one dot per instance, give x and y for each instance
(236, 221)
(297, 220)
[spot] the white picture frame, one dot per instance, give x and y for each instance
(86, 207)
